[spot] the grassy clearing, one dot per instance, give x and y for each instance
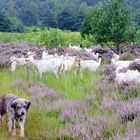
(47, 117)
(45, 123)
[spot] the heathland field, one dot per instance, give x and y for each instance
(78, 62)
(74, 106)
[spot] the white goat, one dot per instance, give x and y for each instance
(90, 65)
(53, 65)
(88, 50)
(46, 56)
(17, 62)
(78, 48)
(118, 63)
(129, 76)
(68, 62)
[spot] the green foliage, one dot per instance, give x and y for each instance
(138, 37)
(16, 25)
(63, 14)
(5, 24)
(135, 4)
(49, 37)
(67, 14)
(28, 13)
(32, 29)
(9, 22)
(112, 21)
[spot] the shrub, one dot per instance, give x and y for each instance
(37, 91)
(93, 128)
(126, 110)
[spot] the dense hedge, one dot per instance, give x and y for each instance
(50, 37)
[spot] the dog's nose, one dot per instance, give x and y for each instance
(22, 113)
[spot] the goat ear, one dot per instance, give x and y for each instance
(28, 104)
(13, 105)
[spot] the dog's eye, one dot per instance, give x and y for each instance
(25, 106)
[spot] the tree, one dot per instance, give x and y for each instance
(5, 24)
(16, 24)
(112, 21)
(72, 15)
(28, 13)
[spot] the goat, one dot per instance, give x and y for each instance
(87, 50)
(53, 65)
(17, 62)
(68, 62)
(129, 76)
(118, 63)
(78, 48)
(90, 65)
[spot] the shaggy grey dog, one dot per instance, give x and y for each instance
(16, 108)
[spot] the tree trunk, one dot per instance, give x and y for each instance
(118, 48)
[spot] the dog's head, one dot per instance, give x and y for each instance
(20, 106)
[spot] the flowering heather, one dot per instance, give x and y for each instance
(16, 49)
(109, 72)
(72, 115)
(70, 110)
(41, 91)
(109, 69)
(136, 50)
(104, 87)
(93, 128)
(132, 133)
(129, 111)
(135, 65)
(126, 110)
(130, 90)
(68, 104)
(19, 83)
(109, 103)
(90, 99)
(106, 53)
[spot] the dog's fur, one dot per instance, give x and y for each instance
(16, 108)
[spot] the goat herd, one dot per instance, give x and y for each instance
(59, 64)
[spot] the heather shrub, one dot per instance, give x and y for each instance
(93, 128)
(70, 110)
(129, 111)
(72, 115)
(126, 110)
(128, 90)
(109, 72)
(19, 83)
(68, 104)
(109, 69)
(132, 133)
(16, 49)
(37, 91)
(90, 99)
(104, 88)
(135, 65)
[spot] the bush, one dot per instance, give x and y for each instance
(49, 37)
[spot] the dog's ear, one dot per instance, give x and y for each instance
(28, 104)
(13, 105)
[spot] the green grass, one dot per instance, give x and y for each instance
(43, 122)
(46, 123)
